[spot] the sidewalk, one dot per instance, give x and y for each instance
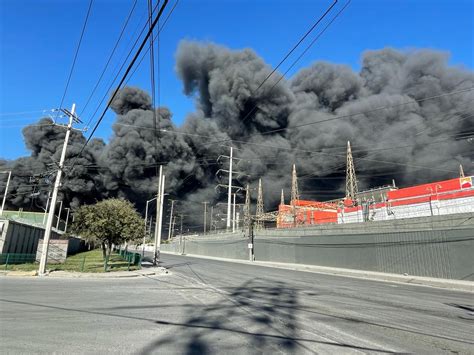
(457, 285)
(145, 271)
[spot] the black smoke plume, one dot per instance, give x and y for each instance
(412, 143)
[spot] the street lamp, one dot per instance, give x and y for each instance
(146, 219)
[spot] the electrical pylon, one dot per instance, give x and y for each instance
(259, 212)
(295, 194)
(247, 208)
(351, 181)
(282, 200)
(461, 171)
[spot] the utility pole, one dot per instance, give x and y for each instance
(233, 215)
(57, 183)
(157, 218)
(59, 214)
(46, 209)
(259, 213)
(295, 194)
(212, 217)
(173, 226)
(229, 185)
(146, 220)
(205, 215)
(230, 188)
(67, 219)
(247, 208)
(171, 219)
(461, 173)
(282, 199)
(6, 191)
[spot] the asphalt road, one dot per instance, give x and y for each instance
(215, 307)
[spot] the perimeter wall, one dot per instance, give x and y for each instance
(439, 246)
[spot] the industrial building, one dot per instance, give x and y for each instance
(380, 204)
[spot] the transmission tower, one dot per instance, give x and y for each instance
(295, 194)
(351, 181)
(461, 171)
(247, 208)
(260, 212)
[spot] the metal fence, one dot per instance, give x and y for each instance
(15, 258)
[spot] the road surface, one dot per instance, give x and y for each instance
(215, 307)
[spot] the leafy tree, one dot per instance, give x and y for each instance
(108, 222)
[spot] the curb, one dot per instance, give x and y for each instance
(455, 285)
(90, 275)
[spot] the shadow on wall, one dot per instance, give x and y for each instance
(265, 317)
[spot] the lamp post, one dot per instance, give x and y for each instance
(146, 219)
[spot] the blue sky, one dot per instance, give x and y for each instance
(38, 39)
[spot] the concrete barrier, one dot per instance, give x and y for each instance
(440, 247)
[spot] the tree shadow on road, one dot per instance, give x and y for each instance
(259, 314)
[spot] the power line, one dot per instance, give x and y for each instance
(155, 38)
(123, 78)
(287, 55)
(24, 113)
(76, 53)
(347, 116)
(299, 57)
(124, 26)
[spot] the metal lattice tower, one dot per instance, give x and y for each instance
(461, 171)
(259, 212)
(282, 200)
(351, 181)
(295, 194)
(247, 208)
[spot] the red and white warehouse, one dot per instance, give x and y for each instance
(433, 199)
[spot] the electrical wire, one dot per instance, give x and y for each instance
(123, 78)
(76, 53)
(124, 26)
(328, 10)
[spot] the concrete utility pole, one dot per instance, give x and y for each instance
(259, 224)
(233, 215)
(6, 191)
(295, 194)
(205, 215)
(171, 219)
(57, 183)
(230, 188)
(46, 209)
(461, 173)
(212, 218)
(67, 219)
(59, 214)
(159, 216)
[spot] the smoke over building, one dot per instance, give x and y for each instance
(401, 141)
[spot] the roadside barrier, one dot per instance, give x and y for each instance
(131, 257)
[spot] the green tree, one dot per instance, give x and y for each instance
(108, 222)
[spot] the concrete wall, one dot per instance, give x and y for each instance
(57, 251)
(434, 247)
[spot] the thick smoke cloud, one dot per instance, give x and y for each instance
(232, 108)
